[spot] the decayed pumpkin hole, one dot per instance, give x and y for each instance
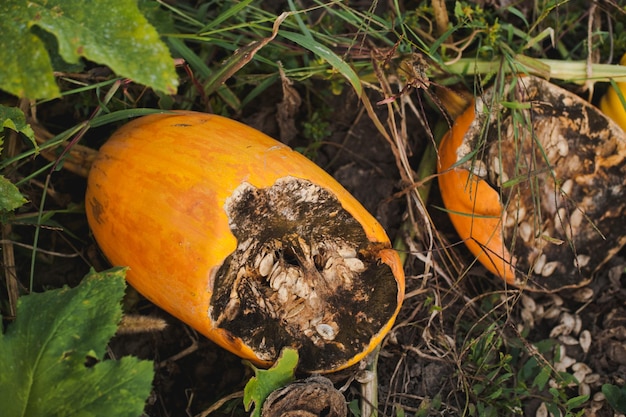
(304, 274)
(560, 175)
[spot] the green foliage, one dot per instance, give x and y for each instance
(355, 408)
(617, 41)
(10, 196)
(14, 119)
(493, 383)
(116, 34)
(265, 381)
(309, 43)
(616, 396)
(428, 406)
(317, 128)
(51, 357)
(502, 372)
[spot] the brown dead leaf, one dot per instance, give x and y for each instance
(287, 109)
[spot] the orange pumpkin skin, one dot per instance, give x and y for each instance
(156, 201)
(611, 104)
(473, 206)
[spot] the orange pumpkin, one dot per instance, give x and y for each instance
(245, 240)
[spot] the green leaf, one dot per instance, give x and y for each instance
(615, 396)
(10, 196)
(14, 119)
(51, 356)
(355, 408)
(552, 408)
(158, 17)
(110, 32)
(265, 381)
(542, 378)
(577, 401)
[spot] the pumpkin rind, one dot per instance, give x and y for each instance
(473, 206)
(156, 202)
(611, 104)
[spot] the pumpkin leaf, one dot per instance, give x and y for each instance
(13, 118)
(51, 357)
(264, 382)
(118, 36)
(10, 196)
(615, 396)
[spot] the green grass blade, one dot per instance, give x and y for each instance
(329, 56)
(232, 11)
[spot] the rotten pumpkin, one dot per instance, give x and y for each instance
(245, 240)
(534, 181)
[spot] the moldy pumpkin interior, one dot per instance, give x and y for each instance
(301, 274)
(558, 166)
